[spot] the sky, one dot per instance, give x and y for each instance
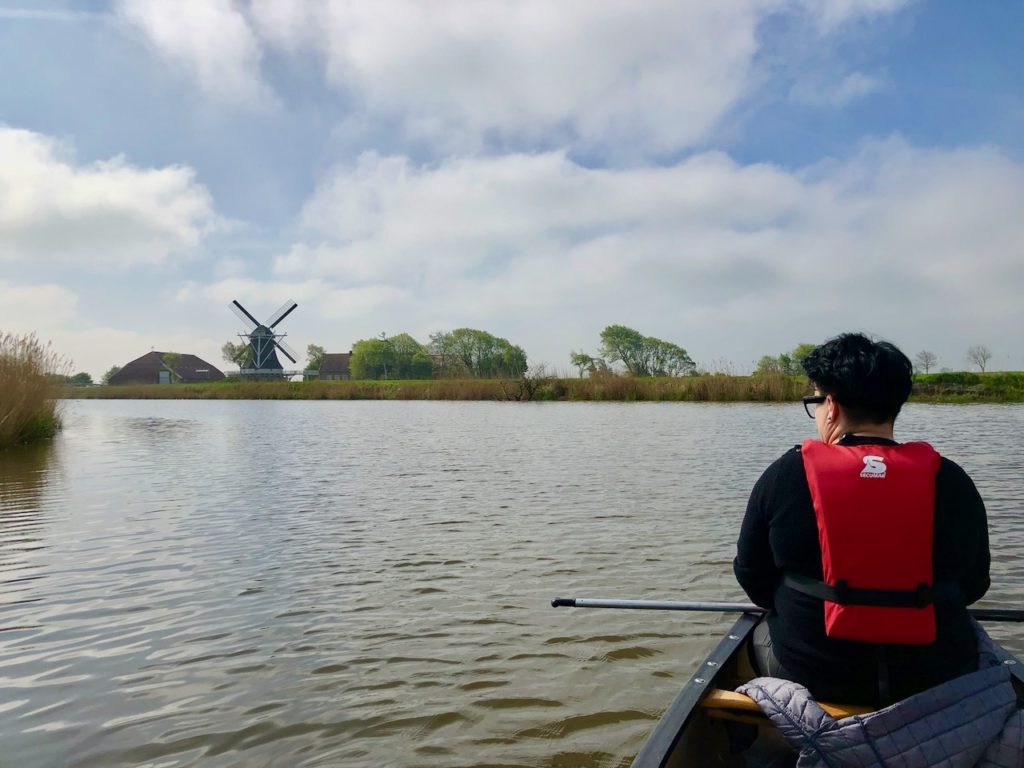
(734, 176)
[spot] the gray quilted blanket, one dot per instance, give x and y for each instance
(973, 720)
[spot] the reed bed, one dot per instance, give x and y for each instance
(998, 387)
(713, 388)
(29, 372)
(719, 388)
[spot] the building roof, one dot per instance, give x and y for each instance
(146, 370)
(335, 363)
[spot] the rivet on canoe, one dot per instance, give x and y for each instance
(712, 663)
(734, 637)
(699, 680)
(1010, 661)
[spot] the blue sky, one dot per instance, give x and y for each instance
(735, 176)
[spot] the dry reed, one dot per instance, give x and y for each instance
(710, 388)
(29, 372)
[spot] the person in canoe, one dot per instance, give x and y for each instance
(866, 551)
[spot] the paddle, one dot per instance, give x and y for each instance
(981, 614)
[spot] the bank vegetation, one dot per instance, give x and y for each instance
(1001, 387)
(31, 376)
(717, 388)
(969, 387)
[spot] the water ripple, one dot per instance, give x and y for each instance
(364, 584)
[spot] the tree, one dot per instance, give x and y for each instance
(171, 361)
(800, 351)
(769, 365)
(409, 358)
(620, 344)
(471, 352)
(644, 355)
(513, 361)
(443, 355)
(370, 359)
(786, 364)
(668, 359)
(238, 354)
(979, 354)
(315, 355)
(111, 373)
(394, 357)
(583, 361)
(925, 360)
(81, 379)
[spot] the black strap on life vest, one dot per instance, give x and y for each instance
(843, 594)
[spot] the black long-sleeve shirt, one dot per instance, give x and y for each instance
(780, 534)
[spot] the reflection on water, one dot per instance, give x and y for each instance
(366, 584)
(22, 480)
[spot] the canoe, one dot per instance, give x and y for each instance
(700, 728)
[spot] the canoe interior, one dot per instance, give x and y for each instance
(691, 736)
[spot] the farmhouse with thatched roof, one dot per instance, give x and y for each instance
(164, 368)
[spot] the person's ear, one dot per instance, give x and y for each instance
(831, 409)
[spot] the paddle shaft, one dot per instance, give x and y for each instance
(981, 614)
(655, 605)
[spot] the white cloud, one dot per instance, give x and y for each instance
(255, 295)
(354, 303)
(830, 15)
(917, 245)
(26, 308)
(592, 73)
(815, 91)
(209, 39)
(386, 219)
(103, 214)
(629, 80)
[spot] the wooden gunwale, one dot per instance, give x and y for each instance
(661, 744)
(702, 695)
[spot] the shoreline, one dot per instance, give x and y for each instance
(952, 388)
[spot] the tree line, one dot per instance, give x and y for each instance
(924, 361)
(461, 353)
(977, 354)
(472, 353)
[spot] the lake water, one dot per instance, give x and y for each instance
(368, 583)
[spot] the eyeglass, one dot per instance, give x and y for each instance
(814, 400)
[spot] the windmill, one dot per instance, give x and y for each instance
(263, 342)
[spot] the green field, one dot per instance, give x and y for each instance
(963, 387)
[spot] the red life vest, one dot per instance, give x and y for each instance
(875, 506)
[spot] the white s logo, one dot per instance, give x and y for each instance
(874, 466)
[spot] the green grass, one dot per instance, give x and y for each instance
(967, 387)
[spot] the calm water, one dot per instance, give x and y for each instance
(367, 584)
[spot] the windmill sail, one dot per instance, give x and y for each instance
(285, 310)
(286, 350)
(243, 314)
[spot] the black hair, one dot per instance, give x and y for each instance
(870, 379)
